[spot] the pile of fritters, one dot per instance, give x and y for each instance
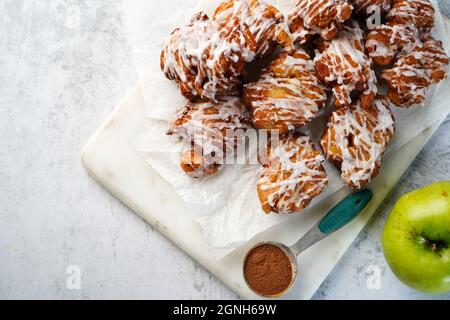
(320, 47)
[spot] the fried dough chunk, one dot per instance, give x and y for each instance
(323, 17)
(206, 57)
(356, 139)
(384, 42)
(435, 59)
(343, 64)
(293, 175)
(287, 95)
(408, 80)
(266, 23)
(417, 12)
(415, 70)
(211, 130)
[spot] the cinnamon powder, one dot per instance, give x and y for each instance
(268, 270)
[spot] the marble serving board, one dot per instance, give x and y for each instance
(111, 159)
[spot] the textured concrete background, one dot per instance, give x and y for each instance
(64, 64)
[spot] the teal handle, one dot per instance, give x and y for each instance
(345, 211)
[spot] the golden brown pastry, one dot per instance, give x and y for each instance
(323, 17)
(195, 165)
(408, 80)
(343, 64)
(384, 42)
(206, 57)
(435, 60)
(356, 139)
(211, 130)
(266, 23)
(366, 8)
(287, 95)
(417, 12)
(293, 175)
(416, 68)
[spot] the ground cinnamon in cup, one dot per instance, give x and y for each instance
(268, 270)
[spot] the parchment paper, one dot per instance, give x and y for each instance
(226, 205)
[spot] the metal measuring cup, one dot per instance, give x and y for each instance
(343, 213)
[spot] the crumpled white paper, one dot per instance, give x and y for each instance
(444, 5)
(226, 205)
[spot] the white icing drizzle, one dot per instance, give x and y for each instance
(418, 12)
(322, 17)
(416, 68)
(210, 126)
(293, 176)
(206, 57)
(385, 41)
(356, 139)
(266, 23)
(435, 59)
(408, 80)
(344, 65)
(287, 95)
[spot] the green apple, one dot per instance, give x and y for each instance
(416, 238)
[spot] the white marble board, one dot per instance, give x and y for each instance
(111, 159)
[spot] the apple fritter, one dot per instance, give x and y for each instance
(293, 175)
(195, 165)
(343, 64)
(323, 17)
(435, 59)
(210, 130)
(206, 57)
(356, 139)
(266, 23)
(415, 70)
(384, 42)
(408, 80)
(287, 95)
(417, 12)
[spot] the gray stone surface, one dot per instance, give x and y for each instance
(64, 64)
